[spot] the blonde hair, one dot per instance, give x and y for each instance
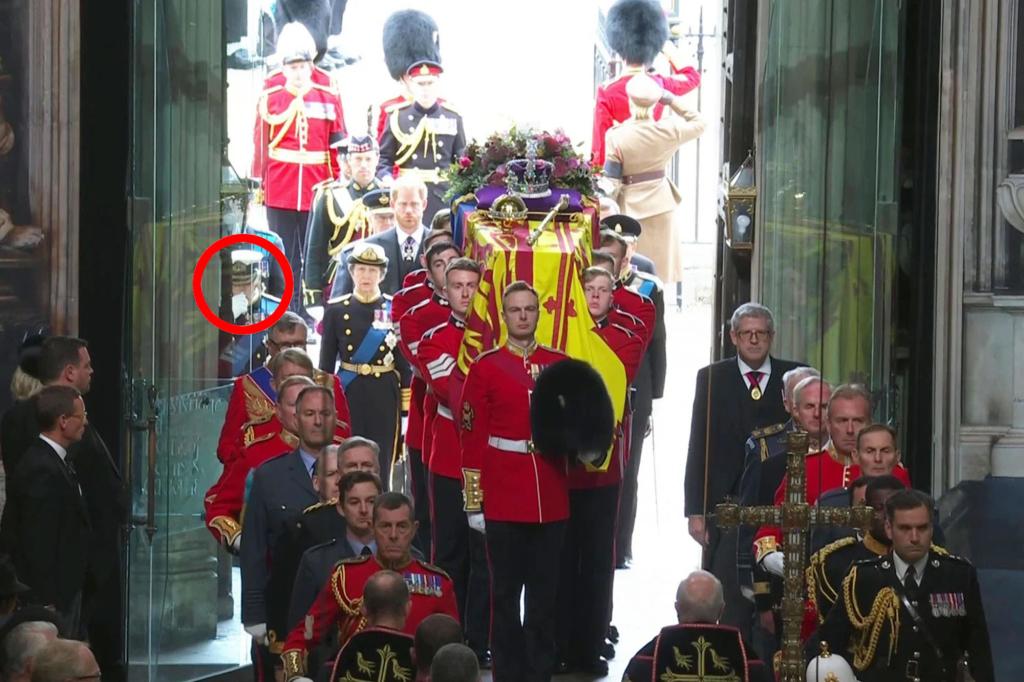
(24, 385)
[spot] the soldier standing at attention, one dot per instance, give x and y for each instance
(297, 123)
(360, 342)
(913, 613)
(423, 135)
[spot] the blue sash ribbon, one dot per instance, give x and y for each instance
(366, 350)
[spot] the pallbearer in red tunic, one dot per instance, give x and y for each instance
(522, 493)
(296, 125)
(639, 49)
(456, 549)
(588, 555)
(341, 597)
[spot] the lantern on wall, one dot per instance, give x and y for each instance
(737, 207)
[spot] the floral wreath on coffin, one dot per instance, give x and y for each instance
(487, 163)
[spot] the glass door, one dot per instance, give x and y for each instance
(183, 614)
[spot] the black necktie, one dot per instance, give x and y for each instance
(909, 583)
(366, 551)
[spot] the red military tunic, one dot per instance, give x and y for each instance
(824, 471)
(438, 355)
(225, 498)
(639, 306)
(430, 591)
(499, 464)
(629, 348)
(292, 139)
(403, 300)
(418, 276)
(253, 400)
(431, 311)
(612, 103)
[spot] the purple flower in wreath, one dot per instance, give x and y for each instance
(561, 167)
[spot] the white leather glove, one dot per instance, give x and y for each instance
(747, 592)
(773, 563)
(236, 544)
(476, 521)
(258, 632)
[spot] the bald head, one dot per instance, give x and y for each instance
(386, 599)
(699, 598)
(64, 659)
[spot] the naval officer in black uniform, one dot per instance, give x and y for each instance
(913, 613)
(359, 343)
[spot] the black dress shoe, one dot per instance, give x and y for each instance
(597, 668)
(613, 634)
(608, 650)
(483, 658)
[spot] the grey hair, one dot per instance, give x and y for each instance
(798, 373)
(799, 389)
(752, 310)
(454, 663)
(357, 442)
(852, 392)
(23, 643)
(694, 603)
(288, 323)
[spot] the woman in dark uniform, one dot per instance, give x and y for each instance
(360, 345)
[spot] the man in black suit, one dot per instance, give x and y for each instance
(733, 397)
(46, 524)
(402, 244)
(65, 361)
(281, 488)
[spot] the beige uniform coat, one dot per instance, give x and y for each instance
(640, 147)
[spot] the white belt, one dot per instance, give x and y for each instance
(523, 447)
(443, 411)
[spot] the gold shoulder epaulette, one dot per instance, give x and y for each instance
(251, 436)
(358, 559)
(768, 431)
(272, 89)
(833, 546)
(433, 569)
(325, 88)
(322, 378)
(339, 299)
(319, 505)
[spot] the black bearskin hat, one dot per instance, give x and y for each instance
(410, 36)
(636, 30)
(571, 412)
(315, 15)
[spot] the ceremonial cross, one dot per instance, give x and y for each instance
(796, 517)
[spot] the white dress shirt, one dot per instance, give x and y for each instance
(417, 238)
(901, 567)
(60, 449)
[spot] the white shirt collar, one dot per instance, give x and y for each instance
(901, 567)
(765, 369)
(61, 450)
(417, 236)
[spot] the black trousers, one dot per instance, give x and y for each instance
(587, 570)
(462, 554)
(263, 662)
(101, 616)
(421, 500)
(290, 226)
(523, 555)
(627, 503)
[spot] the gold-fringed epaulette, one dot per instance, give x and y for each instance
(320, 505)
(433, 568)
(471, 491)
(816, 573)
(768, 430)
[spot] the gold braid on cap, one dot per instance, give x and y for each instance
(884, 610)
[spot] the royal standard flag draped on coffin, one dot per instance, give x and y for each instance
(552, 265)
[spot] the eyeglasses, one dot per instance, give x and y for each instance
(77, 416)
(287, 344)
(754, 334)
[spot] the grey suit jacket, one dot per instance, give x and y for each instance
(281, 489)
(397, 267)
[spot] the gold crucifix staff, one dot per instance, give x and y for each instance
(796, 517)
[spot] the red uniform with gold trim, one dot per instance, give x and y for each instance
(438, 354)
(292, 139)
(639, 306)
(824, 471)
(612, 103)
(628, 346)
(253, 400)
(429, 312)
(499, 465)
(430, 591)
